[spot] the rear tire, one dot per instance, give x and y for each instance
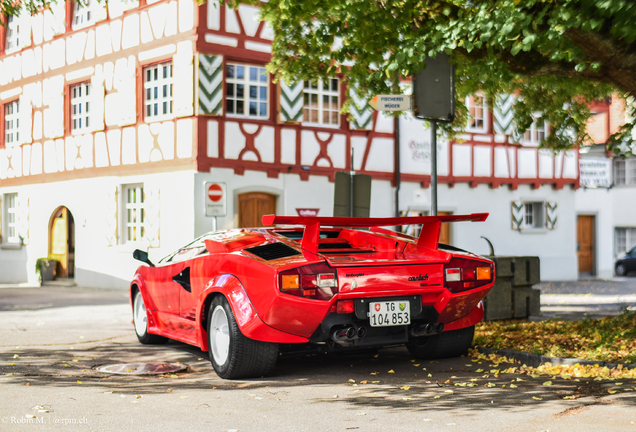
(444, 345)
(140, 320)
(232, 354)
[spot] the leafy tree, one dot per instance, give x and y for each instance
(557, 55)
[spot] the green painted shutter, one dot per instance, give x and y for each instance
(291, 102)
(210, 85)
(360, 111)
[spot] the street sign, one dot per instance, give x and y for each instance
(345, 185)
(434, 90)
(215, 199)
(391, 102)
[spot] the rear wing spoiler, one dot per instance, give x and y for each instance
(429, 236)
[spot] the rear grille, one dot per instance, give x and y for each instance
(273, 251)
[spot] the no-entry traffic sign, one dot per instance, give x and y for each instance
(215, 192)
(215, 199)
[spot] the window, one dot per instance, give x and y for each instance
(13, 34)
(478, 114)
(624, 172)
(10, 221)
(82, 16)
(134, 213)
(80, 107)
(625, 239)
(158, 88)
(246, 90)
(533, 215)
(537, 131)
(321, 102)
(11, 122)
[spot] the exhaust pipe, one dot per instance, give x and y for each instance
(344, 335)
(427, 329)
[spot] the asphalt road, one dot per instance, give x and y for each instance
(49, 351)
(592, 298)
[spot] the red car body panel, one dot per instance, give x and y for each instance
(374, 264)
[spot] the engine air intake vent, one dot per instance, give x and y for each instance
(273, 251)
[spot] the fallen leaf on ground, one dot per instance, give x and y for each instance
(537, 398)
(547, 383)
(513, 386)
(391, 371)
(79, 382)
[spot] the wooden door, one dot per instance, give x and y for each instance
(585, 243)
(62, 242)
(252, 207)
(444, 232)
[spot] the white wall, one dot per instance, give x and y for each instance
(96, 263)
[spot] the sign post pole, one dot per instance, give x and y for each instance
(433, 168)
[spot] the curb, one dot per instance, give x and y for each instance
(535, 360)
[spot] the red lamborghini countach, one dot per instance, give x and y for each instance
(321, 283)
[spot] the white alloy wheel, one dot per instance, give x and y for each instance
(220, 335)
(140, 316)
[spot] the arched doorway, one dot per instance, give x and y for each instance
(62, 241)
(252, 206)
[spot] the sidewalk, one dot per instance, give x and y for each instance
(587, 298)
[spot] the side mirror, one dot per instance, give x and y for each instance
(142, 256)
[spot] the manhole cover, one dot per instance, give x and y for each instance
(142, 368)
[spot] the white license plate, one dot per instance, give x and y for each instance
(389, 313)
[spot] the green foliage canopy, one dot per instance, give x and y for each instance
(557, 56)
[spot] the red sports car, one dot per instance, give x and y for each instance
(246, 294)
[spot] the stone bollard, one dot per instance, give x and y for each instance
(513, 295)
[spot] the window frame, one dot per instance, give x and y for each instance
(530, 135)
(87, 14)
(72, 117)
(12, 24)
(630, 240)
(246, 83)
(628, 169)
(535, 219)
(7, 225)
(484, 128)
(139, 209)
(15, 130)
(321, 93)
(158, 100)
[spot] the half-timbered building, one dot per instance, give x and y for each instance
(115, 115)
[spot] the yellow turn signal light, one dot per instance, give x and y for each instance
(484, 273)
(290, 282)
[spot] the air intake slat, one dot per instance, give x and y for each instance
(273, 251)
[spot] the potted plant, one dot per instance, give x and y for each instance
(45, 269)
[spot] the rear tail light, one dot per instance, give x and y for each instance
(464, 274)
(317, 281)
(346, 307)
